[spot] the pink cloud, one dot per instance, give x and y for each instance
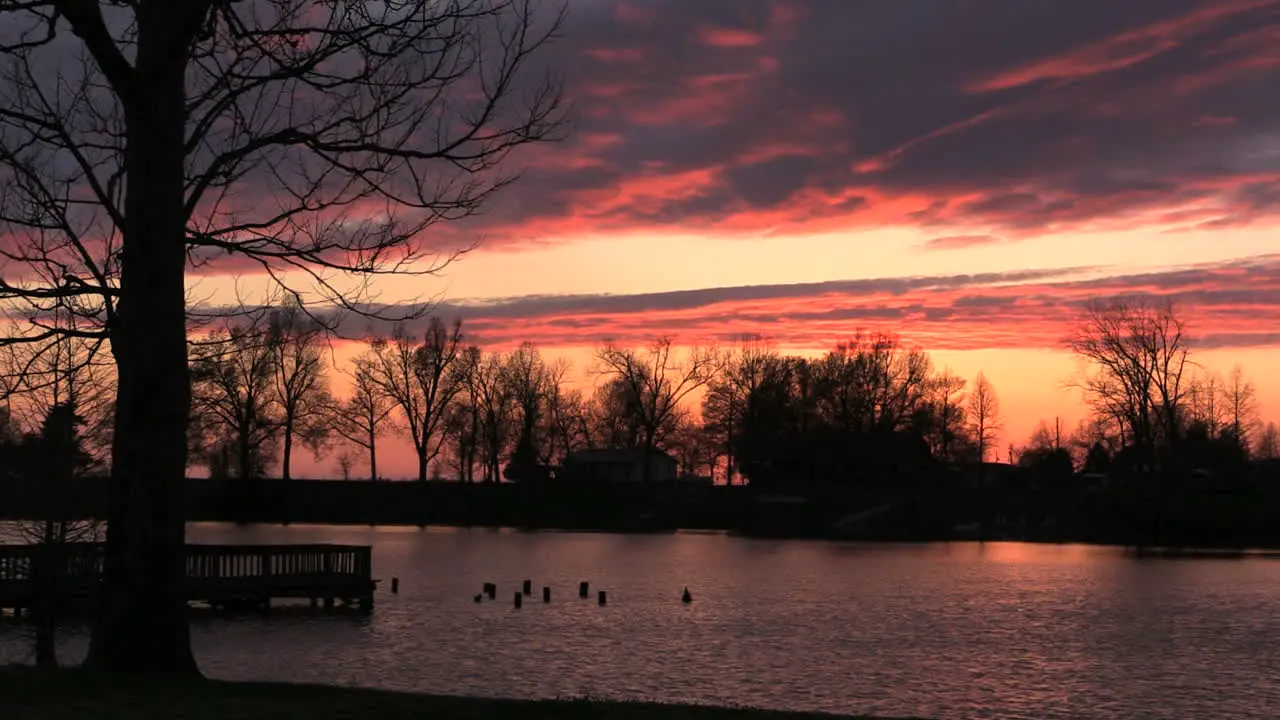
(959, 242)
(720, 37)
(616, 55)
(1117, 52)
(1226, 305)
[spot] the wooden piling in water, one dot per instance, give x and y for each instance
(584, 589)
(527, 588)
(519, 600)
(603, 597)
(395, 585)
(491, 590)
(546, 594)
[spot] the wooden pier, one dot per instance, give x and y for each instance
(221, 576)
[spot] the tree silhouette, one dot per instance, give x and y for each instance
(651, 386)
(233, 396)
(300, 380)
(422, 379)
(949, 413)
(1240, 401)
(725, 404)
(365, 416)
(984, 415)
(493, 402)
(139, 136)
(1138, 370)
(532, 383)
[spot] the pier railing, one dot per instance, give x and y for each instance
(214, 562)
(215, 573)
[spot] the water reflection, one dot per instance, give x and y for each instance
(991, 630)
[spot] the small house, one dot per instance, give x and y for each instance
(620, 465)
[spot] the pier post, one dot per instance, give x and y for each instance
(519, 600)
(584, 589)
(603, 597)
(546, 594)
(527, 587)
(395, 585)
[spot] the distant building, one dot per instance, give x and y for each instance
(619, 465)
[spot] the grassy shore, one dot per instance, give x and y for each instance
(26, 694)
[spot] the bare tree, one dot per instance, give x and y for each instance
(461, 425)
(725, 404)
(568, 424)
(615, 418)
(984, 415)
(1240, 403)
(345, 461)
(695, 451)
(67, 371)
(300, 380)
(655, 384)
(422, 380)
(946, 389)
(365, 416)
(1203, 405)
(57, 387)
(1138, 363)
(233, 393)
(532, 383)
(54, 457)
(492, 400)
(143, 139)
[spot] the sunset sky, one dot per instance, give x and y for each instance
(962, 173)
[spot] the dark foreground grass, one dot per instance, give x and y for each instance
(26, 694)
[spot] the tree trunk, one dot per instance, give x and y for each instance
(245, 452)
(373, 457)
(46, 579)
(288, 450)
(422, 463)
(142, 624)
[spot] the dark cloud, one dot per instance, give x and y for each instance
(697, 299)
(1229, 304)
(1017, 117)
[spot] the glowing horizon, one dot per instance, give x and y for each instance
(802, 170)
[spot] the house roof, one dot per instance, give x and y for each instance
(615, 455)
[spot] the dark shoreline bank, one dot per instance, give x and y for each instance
(52, 695)
(937, 513)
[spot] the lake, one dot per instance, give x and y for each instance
(965, 630)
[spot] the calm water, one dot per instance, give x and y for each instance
(941, 631)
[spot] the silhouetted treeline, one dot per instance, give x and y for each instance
(871, 428)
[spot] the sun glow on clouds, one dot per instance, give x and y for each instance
(803, 169)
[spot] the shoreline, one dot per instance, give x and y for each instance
(945, 513)
(1189, 551)
(27, 693)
